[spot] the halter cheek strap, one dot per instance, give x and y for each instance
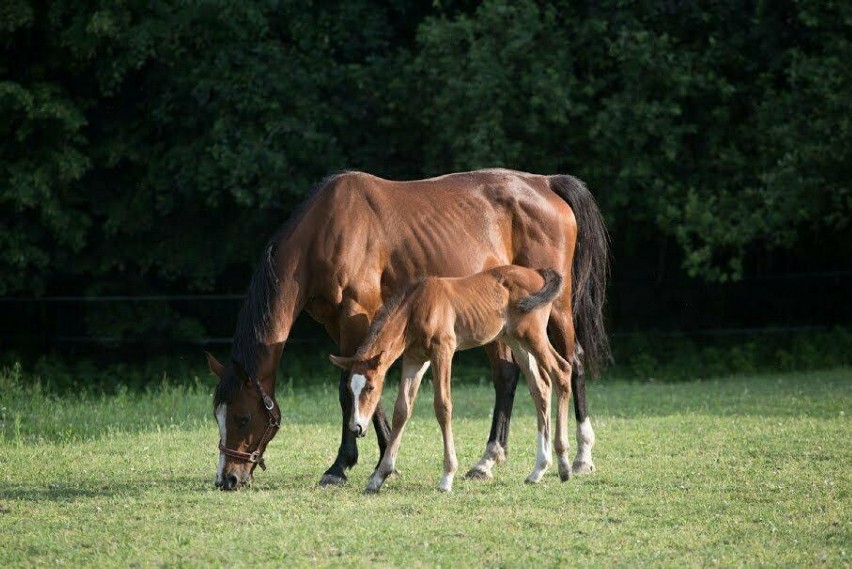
(274, 416)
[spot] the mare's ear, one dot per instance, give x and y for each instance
(342, 361)
(240, 372)
(214, 365)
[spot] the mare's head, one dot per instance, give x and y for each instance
(248, 419)
(365, 383)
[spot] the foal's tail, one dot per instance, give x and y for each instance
(550, 290)
(588, 273)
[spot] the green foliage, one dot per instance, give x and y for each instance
(676, 357)
(155, 145)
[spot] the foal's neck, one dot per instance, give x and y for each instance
(388, 334)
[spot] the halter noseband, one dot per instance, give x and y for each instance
(274, 417)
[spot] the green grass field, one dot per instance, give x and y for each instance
(735, 471)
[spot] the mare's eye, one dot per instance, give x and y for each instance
(243, 421)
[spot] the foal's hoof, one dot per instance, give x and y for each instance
(371, 491)
(564, 475)
(394, 474)
(477, 473)
(582, 467)
(332, 480)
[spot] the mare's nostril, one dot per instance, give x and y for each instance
(231, 481)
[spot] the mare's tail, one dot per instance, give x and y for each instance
(550, 290)
(588, 273)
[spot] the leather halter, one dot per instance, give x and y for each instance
(274, 417)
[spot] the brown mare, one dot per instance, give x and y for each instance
(440, 316)
(359, 240)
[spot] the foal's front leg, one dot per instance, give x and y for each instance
(412, 374)
(442, 364)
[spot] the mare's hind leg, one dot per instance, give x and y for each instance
(504, 374)
(562, 332)
(539, 386)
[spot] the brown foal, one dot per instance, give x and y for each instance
(436, 317)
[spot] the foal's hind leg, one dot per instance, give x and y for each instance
(559, 371)
(505, 375)
(540, 391)
(562, 331)
(442, 369)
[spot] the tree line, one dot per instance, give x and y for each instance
(153, 146)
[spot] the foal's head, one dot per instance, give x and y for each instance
(244, 414)
(365, 384)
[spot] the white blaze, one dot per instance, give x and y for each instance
(221, 414)
(358, 383)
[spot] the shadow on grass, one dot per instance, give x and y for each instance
(69, 492)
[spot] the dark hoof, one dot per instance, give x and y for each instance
(332, 480)
(371, 491)
(477, 474)
(565, 476)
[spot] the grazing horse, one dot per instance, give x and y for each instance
(438, 317)
(358, 240)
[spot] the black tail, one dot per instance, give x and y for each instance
(551, 288)
(589, 272)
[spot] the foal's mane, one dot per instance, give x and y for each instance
(384, 313)
(256, 320)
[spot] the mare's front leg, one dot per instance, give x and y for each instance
(347, 452)
(442, 366)
(504, 374)
(352, 326)
(412, 374)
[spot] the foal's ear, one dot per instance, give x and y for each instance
(342, 361)
(375, 361)
(214, 365)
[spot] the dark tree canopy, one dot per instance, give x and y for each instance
(154, 146)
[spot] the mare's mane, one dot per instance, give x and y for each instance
(256, 320)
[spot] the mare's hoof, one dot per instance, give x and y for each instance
(478, 474)
(532, 479)
(332, 480)
(582, 467)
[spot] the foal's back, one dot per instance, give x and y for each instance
(471, 311)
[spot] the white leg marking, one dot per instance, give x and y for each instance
(221, 415)
(494, 454)
(542, 461)
(585, 441)
(358, 382)
(447, 482)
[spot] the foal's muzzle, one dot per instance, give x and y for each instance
(358, 430)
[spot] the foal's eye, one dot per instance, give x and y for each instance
(368, 388)
(243, 421)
